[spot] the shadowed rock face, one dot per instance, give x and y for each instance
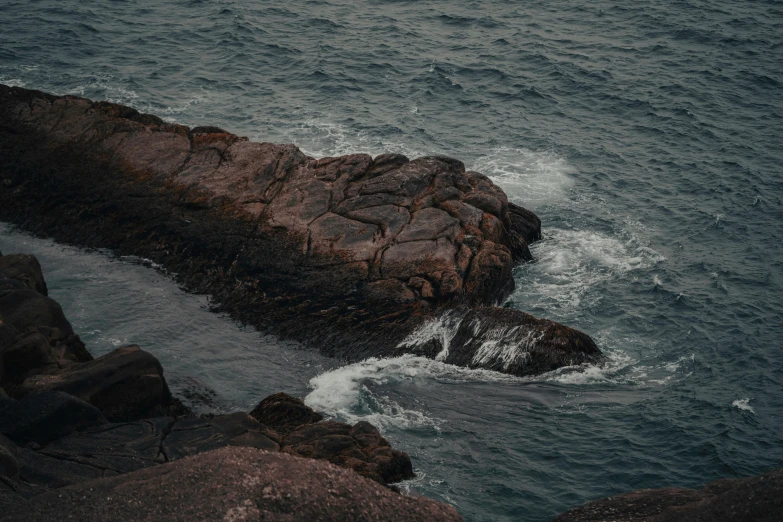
(366, 249)
(232, 484)
(39, 352)
(759, 499)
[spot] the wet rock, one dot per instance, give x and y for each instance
(525, 223)
(756, 498)
(34, 333)
(360, 448)
(46, 417)
(232, 484)
(320, 250)
(125, 384)
(514, 342)
(192, 436)
(284, 413)
(25, 269)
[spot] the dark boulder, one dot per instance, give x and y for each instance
(232, 484)
(360, 448)
(125, 384)
(284, 413)
(9, 466)
(35, 336)
(759, 499)
(24, 268)
(116, 448)
(502, 339)
(348, 254)
(45, 417)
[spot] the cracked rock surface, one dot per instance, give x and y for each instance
(349, 254)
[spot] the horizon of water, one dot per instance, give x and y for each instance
(646, 137)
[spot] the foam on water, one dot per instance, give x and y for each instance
(744, 405)
(572, 264)
(349, 392)
(529, 178)
(320, 137)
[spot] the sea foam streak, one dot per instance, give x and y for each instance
(528, 178)
(571, 264)
(744, 405)
(344, 392)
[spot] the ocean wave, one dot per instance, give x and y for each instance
(529, 178)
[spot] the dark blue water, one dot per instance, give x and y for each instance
(646, 135)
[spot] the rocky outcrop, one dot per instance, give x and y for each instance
(759, 499)
(125, 384)
(349, 254)
(39, 352)
(500, 339)
(231, 484)
(46, 417)
(68, 422)
(35, 336)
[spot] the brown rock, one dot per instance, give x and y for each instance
(232, 484)
(360, 448)
(125, 384)
(319, 250)
(759, 499)
(284, 413)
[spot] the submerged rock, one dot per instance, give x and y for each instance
(759, 499)
(349, 254)
(232, 484)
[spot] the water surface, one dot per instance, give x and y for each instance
(646, 136)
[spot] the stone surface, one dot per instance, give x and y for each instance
(511, 341)
(9, 466)
(192, 436)
(759, 499)
(231, 484)
(45, 417)
(348, 254)
(25, 269)
(34, 334)
(125, 384)
(284, 413)
(359, 447)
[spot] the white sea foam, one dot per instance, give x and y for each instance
(346, 392)
(318, 138)
(529, 178)
(443, 329)
(12, 82)
(502, 345)
(571, 264)
(744, 405)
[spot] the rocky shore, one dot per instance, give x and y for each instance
(753, 499)
(72, 424)
(354, 255)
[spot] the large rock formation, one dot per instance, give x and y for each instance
(232, 484)
(757, 499)
(71, 419)
(351, 254)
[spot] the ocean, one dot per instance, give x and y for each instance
(647, 136)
